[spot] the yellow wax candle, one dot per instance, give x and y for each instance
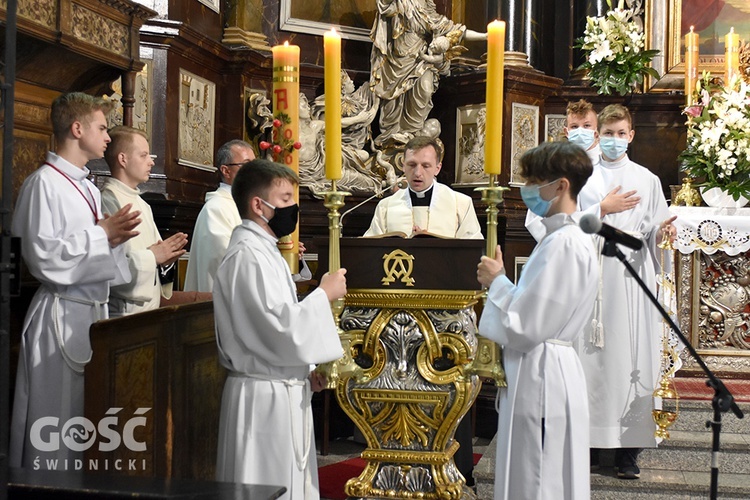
(691, 64)
(493, 139)
(286, 102)
(731, 56)
(332, 50)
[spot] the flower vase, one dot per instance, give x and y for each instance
(718, 198)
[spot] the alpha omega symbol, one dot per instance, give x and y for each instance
(398, 264)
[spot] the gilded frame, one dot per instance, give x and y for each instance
(292, 19)
(663, 19)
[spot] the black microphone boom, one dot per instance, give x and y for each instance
(591, 224)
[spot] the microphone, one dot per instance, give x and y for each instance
(591, 224)
(400, 183)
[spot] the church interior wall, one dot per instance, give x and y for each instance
(189, 38)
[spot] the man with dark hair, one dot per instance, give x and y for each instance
(150, 259)
(426, 206)
(269, 341)
(76, 254)
(543, 433)
(217, 219)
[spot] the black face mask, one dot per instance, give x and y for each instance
(284, 220)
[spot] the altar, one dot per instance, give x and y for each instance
(712, 276)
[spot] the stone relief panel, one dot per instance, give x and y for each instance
(524, 136)
(197, 121)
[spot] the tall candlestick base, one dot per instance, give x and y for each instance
(687, 195)
(488, 362)
(345, 366)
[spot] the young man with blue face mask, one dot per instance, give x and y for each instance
(581, 130)
(543, 419)
(621, 355)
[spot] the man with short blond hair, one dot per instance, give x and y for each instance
(76, 254)
(150, 259)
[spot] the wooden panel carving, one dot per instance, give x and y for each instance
(30, 150)
(42, 12)
(95, 29)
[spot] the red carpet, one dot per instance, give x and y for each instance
(696, 388)
(332, 478)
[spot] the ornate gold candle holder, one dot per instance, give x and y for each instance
(666, 390)
(488, 361)
(345, 366)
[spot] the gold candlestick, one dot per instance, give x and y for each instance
(345, 366)
(664, 418)
(488, 362)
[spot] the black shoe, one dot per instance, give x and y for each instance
(626, 462)
(629, 472)
(594, 458)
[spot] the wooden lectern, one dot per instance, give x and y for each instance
(162, 365)
(409, 322)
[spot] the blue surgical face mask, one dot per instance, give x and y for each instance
(582, 137)
(533, 198)
(613, 147)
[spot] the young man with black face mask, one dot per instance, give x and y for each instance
(269, 341)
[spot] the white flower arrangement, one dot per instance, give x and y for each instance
(718, 141)
(614, 45)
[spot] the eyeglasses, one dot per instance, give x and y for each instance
(235, 164)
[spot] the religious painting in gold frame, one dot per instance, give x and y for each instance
(664, 31)
(524, 126)
(352, 18)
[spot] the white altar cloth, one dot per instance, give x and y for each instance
(712, 229)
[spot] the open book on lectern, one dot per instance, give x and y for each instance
(401, 234)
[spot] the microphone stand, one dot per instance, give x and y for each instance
(722, 401)
(401, 183)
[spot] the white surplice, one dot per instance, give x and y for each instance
(213, 229)
(144, 292)
(450, 214)
(623, 372)
(70, 256)
(536, 322)
(268, 341)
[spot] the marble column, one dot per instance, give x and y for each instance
(523, 30)
(244, 18)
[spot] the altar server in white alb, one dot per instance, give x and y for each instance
(426, 206)
(269, 341)
(151, 259)
(621, 355)
(216, 220)
(543, 436)
(581, 130)
(76, 254)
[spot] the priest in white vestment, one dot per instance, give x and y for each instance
(269, 341)
(426, 206)
(76, 255)
(151, 260)
(621, 355)
(543, 435)
(216, 220)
